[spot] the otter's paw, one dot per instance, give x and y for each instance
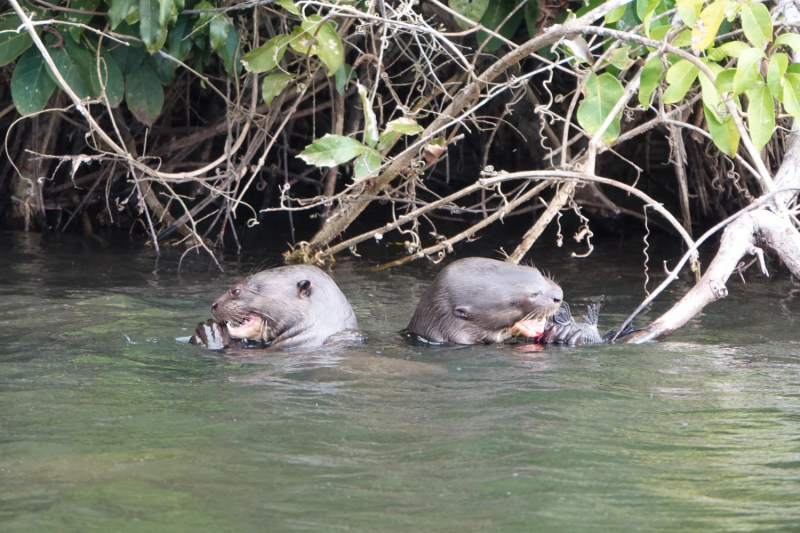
(563, 334)
(211, 335)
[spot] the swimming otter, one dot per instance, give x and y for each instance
(481, 301)
(287, 307)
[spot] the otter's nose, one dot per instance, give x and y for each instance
(214, 306)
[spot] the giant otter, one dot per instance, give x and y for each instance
(287, 307)
(478, 300)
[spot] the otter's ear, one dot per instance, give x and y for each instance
(462, 311)
(304, 288)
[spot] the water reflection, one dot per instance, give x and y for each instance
(108, 424)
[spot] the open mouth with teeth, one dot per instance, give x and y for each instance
(529, 327)
(248, 327)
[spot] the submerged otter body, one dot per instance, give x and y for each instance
(480, 301)
(288, 307)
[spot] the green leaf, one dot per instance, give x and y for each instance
(651, 77)
(128, 57)
(273, 84)
(31, 86)
(747, 70)
(472, 9)
(789, 39)
(757, 24)
(289, 6)
(533, 9)
(73, 62)
(680, 77)
(218, 31)
(689, 14)
(760, 114)
(12, 45)
(144, 94)
(794, 68)
(370, 122)
(332, 150)
(710, 95)
(231, 53)
(725, 135)
(777, 68)
(725, 81)
(167, 12)
(151, 30)
(400, 126)
(343, 76)
(120, 9)
(689, 3)
(69, 16)
(707, 25)
(111, 76)
(367, 165)
(791, 99)
(647, 14)
(327, 44)
(493, 17)
(731, 49)
(163, 67)
(601, 94)
(620, 59)
(179, 43)
(616, 14)
(683, 39)
(267, 56)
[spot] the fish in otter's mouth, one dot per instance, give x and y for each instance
(533, 324)
(248, 327)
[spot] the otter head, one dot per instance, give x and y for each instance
(287, 306)
(478, 300)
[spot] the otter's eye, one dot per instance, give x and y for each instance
(236, 292)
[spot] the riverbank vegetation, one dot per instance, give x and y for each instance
(188, 121)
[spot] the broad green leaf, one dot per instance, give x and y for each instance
(404, 125)
(620, 58)
(327, 44)
(273, 84)
(472, 9)
(218, 31)
(647, 14)
(167, 12)
(651, 77)
(789, 39)
(267, 56)
(495, 14)
(163, 67)
(370, 122)
(689, 3)
(747, 70)
(791, 98)
(709, 93)
(533, 9)
(129, 56)
(111, 77)
(683, 39)
(289, 6)
(144, 94)
(343, 76)
(680, 77)
(760, 114)
(152, 32)
(231, 53)
(658, 34)
(794, 68)
(200, 25)
(69, 16)
(73, 62)
(616, 14)
(725, 81)
(777, 68)
(757, 24)
(731, 49)
(300, 41)
(332, 150)
(601, 94)
(179, 43)
(12, 44)
(725, 135)
(31, 86)
(367, 165)
(120, 9)
(707, 25)
(689, 14)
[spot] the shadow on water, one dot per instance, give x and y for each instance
(108, 424)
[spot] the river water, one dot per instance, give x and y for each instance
(108, 424)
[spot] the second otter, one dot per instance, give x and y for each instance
(478, 300)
